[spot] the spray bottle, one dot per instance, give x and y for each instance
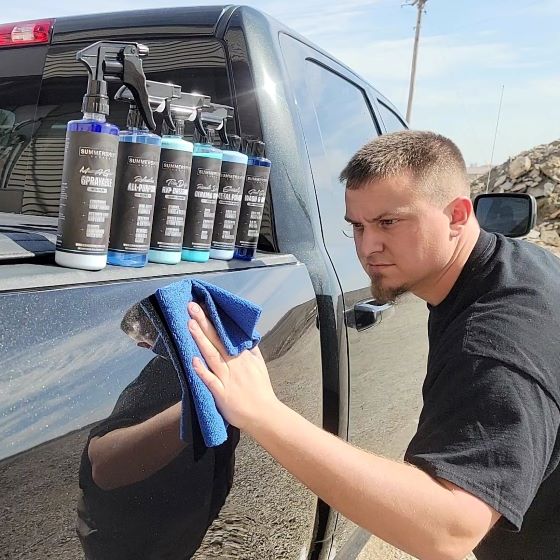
(136, 178)
(254, 196)
(90, 155)
(173, 178)
(204, 183)
(230, 195)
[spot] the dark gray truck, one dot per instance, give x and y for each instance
(80, 351)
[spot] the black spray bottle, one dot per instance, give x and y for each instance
(204, 184)
(252, 206)
(173, 178)
(90, 156)
(136, 177)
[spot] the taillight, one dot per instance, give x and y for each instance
(25, 33)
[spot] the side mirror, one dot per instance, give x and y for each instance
(513, 215)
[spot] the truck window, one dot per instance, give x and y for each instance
(391, 120)
(343, 124)
(196, 64)
(20, 83)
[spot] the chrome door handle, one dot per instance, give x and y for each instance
(366, 314)
(371, 308)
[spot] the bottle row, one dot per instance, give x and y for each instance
(131, 196)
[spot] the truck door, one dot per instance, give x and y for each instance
(387, 346)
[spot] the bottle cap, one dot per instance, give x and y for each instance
(234, 143)
(246, 145)
(257, 148)
(96, 99)
(204, 138)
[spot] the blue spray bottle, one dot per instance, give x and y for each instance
(136, 177)
(252, 206)
(173, 179)
(90, 156)
(204, 184)
(230, 195)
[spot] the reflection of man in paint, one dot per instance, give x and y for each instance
(147, 494)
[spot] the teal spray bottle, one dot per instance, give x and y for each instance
(90, 156)
(173, 178)
(204, 184)
(136, 177)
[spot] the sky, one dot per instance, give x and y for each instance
(471, 51)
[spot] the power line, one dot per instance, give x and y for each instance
(495, 135)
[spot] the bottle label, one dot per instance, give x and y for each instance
(201, 207)
(250, 216)
(136, 182)
(86, 192)
(230, 195)
(171, 200)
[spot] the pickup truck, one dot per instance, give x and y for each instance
(80, 351)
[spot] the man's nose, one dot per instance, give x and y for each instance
(371, 241)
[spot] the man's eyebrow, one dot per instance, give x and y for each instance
(377, 218)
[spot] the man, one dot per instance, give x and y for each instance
(478, 469)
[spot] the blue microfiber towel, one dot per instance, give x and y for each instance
(234, 319)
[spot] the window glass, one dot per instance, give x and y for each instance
(337, 121)
(391, 120)
(344, 124)
(20, 84)
(195, 64)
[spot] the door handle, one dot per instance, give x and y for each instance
(377, 310)
(366, 314)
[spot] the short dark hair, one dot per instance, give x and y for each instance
(434, 162)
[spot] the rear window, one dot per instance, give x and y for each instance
(20, 84)
(36, 160)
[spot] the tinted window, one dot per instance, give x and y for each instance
(344, 120)
(197, 65)
(391, 120)
(337, 123)
(20, 83)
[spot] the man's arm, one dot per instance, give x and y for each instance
(132, 454)
(428, 518)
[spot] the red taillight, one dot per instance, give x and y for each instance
(25, 33)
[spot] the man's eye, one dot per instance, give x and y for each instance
(351, 229)
(388, 223)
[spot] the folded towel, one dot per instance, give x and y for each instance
(234, 319)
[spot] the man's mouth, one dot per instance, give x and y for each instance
(378, 266)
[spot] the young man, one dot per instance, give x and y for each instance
(481, 472)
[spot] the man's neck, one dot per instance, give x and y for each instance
(436, 289)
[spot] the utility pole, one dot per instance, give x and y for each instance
(420, 6)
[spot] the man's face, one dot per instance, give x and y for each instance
(403, 239)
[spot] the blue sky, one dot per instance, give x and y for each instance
(468, 51)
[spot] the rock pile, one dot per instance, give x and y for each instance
(536, 172)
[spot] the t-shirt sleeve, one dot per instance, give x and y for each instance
(490, 430)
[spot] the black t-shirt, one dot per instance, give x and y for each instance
(491, 410)
(165, 516)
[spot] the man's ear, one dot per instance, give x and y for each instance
(459, 211)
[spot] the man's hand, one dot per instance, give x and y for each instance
(240, 385)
